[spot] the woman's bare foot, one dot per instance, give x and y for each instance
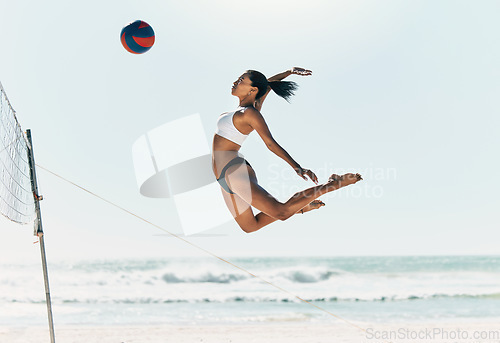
(334, 177)
(346, 179)
(311, 206)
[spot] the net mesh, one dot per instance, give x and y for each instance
(16, 196)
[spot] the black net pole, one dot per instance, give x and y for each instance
(39, 232)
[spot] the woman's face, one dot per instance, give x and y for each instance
(242, 86)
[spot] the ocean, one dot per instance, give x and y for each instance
(192, 291)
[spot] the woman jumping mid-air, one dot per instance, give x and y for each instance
(235, 175)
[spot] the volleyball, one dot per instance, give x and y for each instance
(137, 37)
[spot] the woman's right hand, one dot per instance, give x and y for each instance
(306, 172)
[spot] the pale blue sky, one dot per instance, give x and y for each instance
(406, 93)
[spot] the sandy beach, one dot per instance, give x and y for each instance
(279, 333)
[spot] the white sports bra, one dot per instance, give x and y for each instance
(226, 128)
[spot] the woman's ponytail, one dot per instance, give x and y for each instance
(284, 89)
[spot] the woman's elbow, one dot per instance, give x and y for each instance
(272, 145)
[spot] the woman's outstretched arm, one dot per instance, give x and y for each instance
(280, 76)
(294, 70)
(257, 122)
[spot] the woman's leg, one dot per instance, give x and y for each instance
(295, 203)
(251, 192)
(250, 223)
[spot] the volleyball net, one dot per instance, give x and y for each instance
(16, 194)
(19, 199)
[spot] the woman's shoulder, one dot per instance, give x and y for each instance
(251, 116)
(250, 110)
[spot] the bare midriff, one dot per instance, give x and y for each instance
(223, 151)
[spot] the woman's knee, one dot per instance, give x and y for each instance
(248, 227)
(279, 211)
(285, 215)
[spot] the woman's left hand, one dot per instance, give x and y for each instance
(300, 71)
(306, 172)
